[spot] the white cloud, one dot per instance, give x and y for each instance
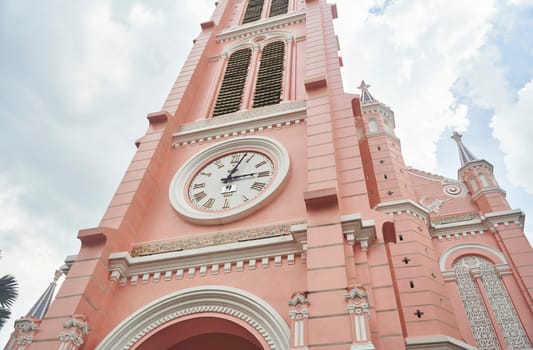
(513, 126)
(28, 253)
(412, 54)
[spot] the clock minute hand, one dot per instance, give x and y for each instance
(237, 177)
(235, 168)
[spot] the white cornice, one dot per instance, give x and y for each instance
(441, 342)
(473, 226)
(358, 230)
(279, 249)
(486, 190)
(505, 217)
(240, 123)
(404, 206)
(260, 26)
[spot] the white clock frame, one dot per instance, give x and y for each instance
(179, 185)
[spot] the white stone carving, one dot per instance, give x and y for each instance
(358, 308)
(467, 269)
(76, 331)
(233, 302)
(432, 207)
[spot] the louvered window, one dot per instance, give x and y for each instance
(278, 7)
(231, 90)
(253, 11)
(269, 78)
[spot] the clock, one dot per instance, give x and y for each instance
(229, 180)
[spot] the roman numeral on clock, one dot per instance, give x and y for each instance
(218, 163)
(263, 173)
(260, 164)
(226, 204)
(197, 186)
(199, 196)
(258, 186)
(209, 203)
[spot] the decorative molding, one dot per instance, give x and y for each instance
(212, 239)
(468, 247)
(257, 42)
(25, 329)
(299, 299)
(404, 206)
(356, 229)
(232, 302)
(441, 342)
(472, 224)
(451, 219)
(379, 108)
(473, 274)
(506, 217)
(261, 26)
(76, 332)
(255, 249)
(256, 120)
(432, 207)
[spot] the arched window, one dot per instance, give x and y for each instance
(232, 87)
(473, 184)
(483, 180)
(497, 300)
(278, 7)
(270, 75)
(372, 125)
(253, 11)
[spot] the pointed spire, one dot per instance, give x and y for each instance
(41, 306)
(465, 155)
(366, 97)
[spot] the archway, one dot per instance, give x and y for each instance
(177, 320)
(207, 331)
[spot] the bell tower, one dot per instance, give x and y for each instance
(266, 208)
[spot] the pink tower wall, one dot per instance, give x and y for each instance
(367, 220)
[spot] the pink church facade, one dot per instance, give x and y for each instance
(266, 208)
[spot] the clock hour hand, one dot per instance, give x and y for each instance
(229, 178)
(235, 168)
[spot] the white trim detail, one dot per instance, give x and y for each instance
(285, 114)
(467, 246)
(261, 26)
(220, 299)
(437, 342)
(180, 181)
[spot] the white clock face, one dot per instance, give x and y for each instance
(230, 181)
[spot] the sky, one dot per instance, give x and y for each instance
(79, 77)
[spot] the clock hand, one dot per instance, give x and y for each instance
(235, 168)
(225, 180)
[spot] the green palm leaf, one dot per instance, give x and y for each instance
(8, 290)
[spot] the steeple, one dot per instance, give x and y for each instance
(366, 97)
(464, 154)
(41, 306)
(478, 175)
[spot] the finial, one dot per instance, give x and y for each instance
(57, 274)
(41, 306)
(464, 154)
(366, 97)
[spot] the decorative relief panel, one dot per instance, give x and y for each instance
(467, 269)
(202, 241)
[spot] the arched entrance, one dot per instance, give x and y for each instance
(206, 331)
(233, 314)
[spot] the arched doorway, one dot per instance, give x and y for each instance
(243, 317)
(206, 332)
